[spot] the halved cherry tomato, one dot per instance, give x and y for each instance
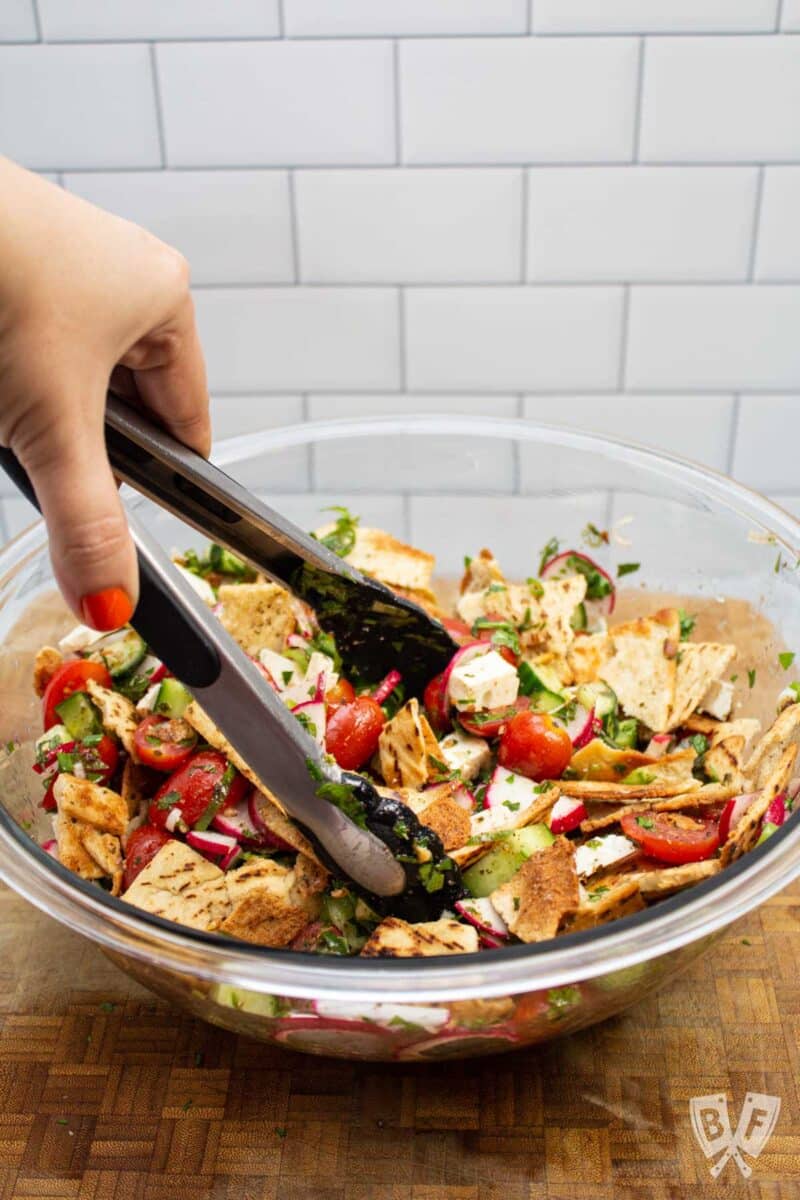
(493, 721)
(142, 847)
(164, 744)
(672, 837)
(342, 692)
(535, 746)
(99, 763)
(435, 701)
(72, 677)
(486, 634)
(459, 631)
(353, 732)
(192, 788)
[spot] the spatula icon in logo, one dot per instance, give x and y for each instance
(712, 1128)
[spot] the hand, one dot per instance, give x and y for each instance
(87, 298)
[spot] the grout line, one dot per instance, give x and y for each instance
(281, 20)
(733, 434)
(622, 367)
(162, 137)
(530, 16)
(779, 17)
(751, 265)
(524, 220)
(543, 164)
(401, 338)
(406, 499)
(534, 285)
(294, 232)
(478, 35)
(637, 116)
(397, 96)
(516, 464)
(37, 21)
(4, 534)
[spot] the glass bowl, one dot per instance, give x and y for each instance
(451, 485)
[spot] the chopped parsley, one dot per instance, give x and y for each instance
(281, 1132)
(592, 536)
(432, 874)
(307, 723)
(535, 586)
(343, 796)
(598, 585)
(687, 624)
(700, 743)
(467, 561)
(187, 1104)
(549, 550)
(751, 678)
(627, 569)
(786, 659)
(502, 633)
(795, 687)
(342, 537)
(646, 822)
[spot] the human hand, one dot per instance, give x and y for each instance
(87, 298)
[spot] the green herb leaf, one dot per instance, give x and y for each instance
(592, 536)
(342, 537)
(700, 743)
(687, 624)
(751, 677)
(646, 822)
(786, 659)
(627, 569)
(549, 550)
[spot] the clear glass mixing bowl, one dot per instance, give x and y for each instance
(452, 485)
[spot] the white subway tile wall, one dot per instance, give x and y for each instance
(576, 211)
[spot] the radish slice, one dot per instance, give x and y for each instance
(51, 847)
(508, 796)
(464, 798)
(776, 813)
(237, 823)
(484, 916)
(218, 845)
(583, 727)
(385, 688)
(426, 1016)
(297, 642)
(733, 812)
(487, 941)
(462, 656)
(268, 838)
(658, 745)
(566, 814)
(312, 718)
(230, 857)
(305, 617)
(558, 567)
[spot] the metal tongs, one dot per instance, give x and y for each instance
(397, 863)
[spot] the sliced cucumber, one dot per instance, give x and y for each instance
(262, 1005)
(579, 620)
(120, 652)
(547, 701)
(222, 560)
(50, 740)
(505, 859)
(625, 733)
(172, 700)
(545, 678)
(598, 696)
(79, 715)
(300, 657)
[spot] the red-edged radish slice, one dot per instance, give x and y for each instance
(487, 941)
(426, 1016)
(51, 847)
(566, 814)
(733, 812)
(559, 566)
(658, 745)
(306, 618)
(776, 813)
(385, 688)
(464, 798)
(462, 656)
(583, 727)
(312, 717)
(297, 641)
(217, 845)
(484, 916)
(464, 1044)
(237, 822)
(231, 857)
(268, 838)
(338, 1039)
(507, 798)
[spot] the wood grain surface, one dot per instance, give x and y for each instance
(107, 1094)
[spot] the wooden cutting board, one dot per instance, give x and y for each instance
(106, 1094)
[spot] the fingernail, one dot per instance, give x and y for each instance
(107, 609)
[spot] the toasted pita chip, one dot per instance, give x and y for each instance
(713, 793)
(744, 727)
(106, 850)
(478, 1013)
(559, 599)
(408, 748)
(258, 615)
(117, 714)
(610, 899)
(138, 785)
(282, 828)
(723, 761)
(45, 665)
(264, 919)
(583, 789)
(643, 668)
(762, 762)
(748, 830)
(180, 885)
(394, 563)
(700, 664)
(543, 892)
(481, 572)
(607, 764)
(449, 820)
(395, 938)
(259, 875)
(665, 880)
(72, 854)
(491, 823)
(587, 656)
(309, 879)
(467, 855)
(424, 597)
(89, 802)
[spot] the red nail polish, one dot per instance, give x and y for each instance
(107, 609)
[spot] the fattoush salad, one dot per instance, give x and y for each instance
(575, 769)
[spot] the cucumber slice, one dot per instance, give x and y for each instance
(505, 859)
(547, 701)
(50, 740)
(579, 620)
(173, 699)
(626, 733)
(120, 652)
(598, 696)
(79, 715)
(300, 657)
(226, 563)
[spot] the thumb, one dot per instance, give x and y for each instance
(93, 557)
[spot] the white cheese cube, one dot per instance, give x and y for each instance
(80, 638)
(718, 700)
(284, 671)
(602, 852)
(485, 682)
(201, 586)
(148, 700)
(465, 754)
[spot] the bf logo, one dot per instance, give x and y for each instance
(712, 1128)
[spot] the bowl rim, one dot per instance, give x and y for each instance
(671, 924)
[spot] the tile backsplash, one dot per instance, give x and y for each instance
(577, 211)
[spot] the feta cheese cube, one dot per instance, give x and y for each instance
(484, 682)
(465, 754)
(80, 638)
(718, 700)
(602, 852)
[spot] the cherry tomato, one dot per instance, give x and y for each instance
(48, 801)
(342, 692)
(435, 701)
(672, 837)
(192, 787)
(72, 677)
(535, 746)
(99, 762)
(164, 744)
(493, 721)
(459, 631)
(353, 732)
(143, 845)
(484, 634)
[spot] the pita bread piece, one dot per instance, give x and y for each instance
(264, 919)
(45, 665)
(588, 655)
(543, 892)
(70, 835)
(767, 752)
(408, 748)
(257, 615)
(449, 820)
(180, 885)
(748, 830)
(388, 560)
(666, 880)
(395, 938)
(117, 714)
(608, 900)
(643, 668)
(709, 794)
(89, 802)
(700, 664)
(138, 785)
